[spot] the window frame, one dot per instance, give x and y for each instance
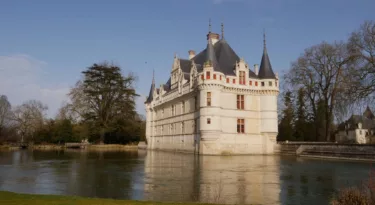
(240, 125)
(209, 99)
(240, 102)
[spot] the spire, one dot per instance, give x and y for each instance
(222, 30)
(264, 39)
(265, 70)
(153, 76)
(209, 25)
(151, 93)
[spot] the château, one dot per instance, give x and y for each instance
(214, 103)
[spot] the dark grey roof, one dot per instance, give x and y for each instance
(185, 65)
(265, 71)
(167, 86)
(368, 113)
(355, 119)
(225, 56)
(151, 93)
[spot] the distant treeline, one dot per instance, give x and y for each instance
(101, 109)
(326, 84)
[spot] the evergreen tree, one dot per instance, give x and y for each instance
(300, 133)
(286, 122)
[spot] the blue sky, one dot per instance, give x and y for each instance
(44, 45)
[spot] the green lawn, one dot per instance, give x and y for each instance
(9, 198)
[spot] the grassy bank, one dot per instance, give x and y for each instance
(32, 199)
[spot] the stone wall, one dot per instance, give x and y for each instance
(328, 150)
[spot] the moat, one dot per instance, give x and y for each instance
(162, 176)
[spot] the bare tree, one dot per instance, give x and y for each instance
(29, 117)
(323, 72)
(362, 44)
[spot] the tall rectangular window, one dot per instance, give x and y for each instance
(250, 83)
(262, 83)
(256, 83)
(208, 76)
(202, 76)
(240, 102)
(214, 76)
(240, 125)
(208, 98)
(242, 78)
(208, 120)
(234, 81)
(220, 77)
(270, 83)
(227, 80)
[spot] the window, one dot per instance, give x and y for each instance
(234, 81)
(214, 76)
(208, 75)
(270, 83)
(242, 78)
(183, 107)
(250, 83)
(240, 102)
(227, 80)
(262, 83)
(202, 76)
(256, 83)
(208, 120)
(208, 98)
(220, 77)
(240, 126)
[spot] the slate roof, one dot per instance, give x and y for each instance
(367, 120)
(225, 56)
(265, 71)
(151, 93)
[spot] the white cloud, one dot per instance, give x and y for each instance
(21, 78)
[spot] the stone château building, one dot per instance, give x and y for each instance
(357, 129)
(214, 104)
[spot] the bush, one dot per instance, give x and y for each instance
(352, 196)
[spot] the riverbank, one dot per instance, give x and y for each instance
(34, 199)
(90, 147)
(327, 150)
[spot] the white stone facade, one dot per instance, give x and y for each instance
(210, 113)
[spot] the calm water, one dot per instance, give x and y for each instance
(164, 176)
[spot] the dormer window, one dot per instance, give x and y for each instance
(208, 76)
(242, 78)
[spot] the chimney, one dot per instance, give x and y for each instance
(191, 54)
(256, 69)
(214, 37)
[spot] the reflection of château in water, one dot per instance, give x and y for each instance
(229, 180)
(213, 103)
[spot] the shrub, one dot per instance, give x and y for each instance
(352, 196)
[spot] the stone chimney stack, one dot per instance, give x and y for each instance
(214, 37)
(191, 54)
(256, 69)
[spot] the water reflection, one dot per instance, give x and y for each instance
(163, 176)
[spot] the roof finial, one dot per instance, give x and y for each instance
(264, 38)
(153, 76)
(209, 25)
(222, 30)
